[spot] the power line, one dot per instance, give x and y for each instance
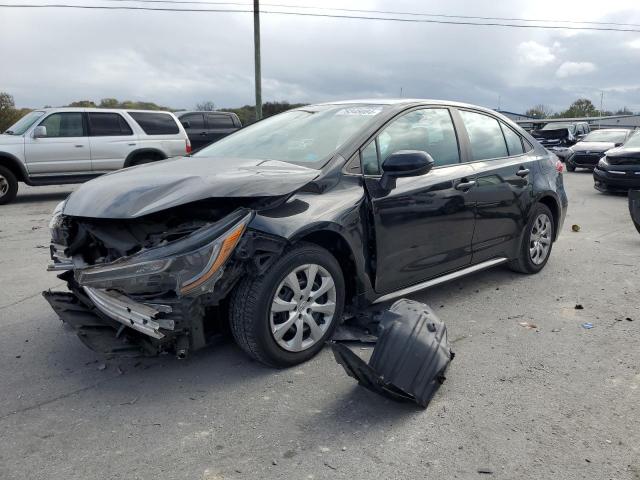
(385, 12)
(322, 15)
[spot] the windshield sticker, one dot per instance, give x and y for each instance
(360, 111)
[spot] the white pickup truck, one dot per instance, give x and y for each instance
(71, 145)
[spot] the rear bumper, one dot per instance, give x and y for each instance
(611, 182)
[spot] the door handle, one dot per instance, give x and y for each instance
(465, 184)
(523, 172)
(203, 133)
(79, 146)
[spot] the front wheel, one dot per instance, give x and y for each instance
(8, 186)
(284, 316)
(536, 243)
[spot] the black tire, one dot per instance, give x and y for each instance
(8, 186)
(251, 300)
(142, 160)
(524, 263)
(637, 225)
(570, 166)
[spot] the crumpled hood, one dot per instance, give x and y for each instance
(145, 189)
(592, 146)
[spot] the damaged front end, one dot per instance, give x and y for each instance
(156, 283)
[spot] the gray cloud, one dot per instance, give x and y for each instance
(57, 56)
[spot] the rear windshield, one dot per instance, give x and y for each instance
(557, 126)
(156, 123)
(613, 136)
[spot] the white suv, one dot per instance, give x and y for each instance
(71, 145)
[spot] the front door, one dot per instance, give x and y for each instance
(64, 150)
(424, 226)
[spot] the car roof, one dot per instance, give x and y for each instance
(399, 102)
(99, 110)
(184, 112)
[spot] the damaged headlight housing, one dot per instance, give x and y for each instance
(187, 266)
(602, 163)
(56, 217)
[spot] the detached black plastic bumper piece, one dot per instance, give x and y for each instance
(410, 358)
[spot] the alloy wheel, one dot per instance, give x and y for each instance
(303, 307)
(4, 186)
(540, 239)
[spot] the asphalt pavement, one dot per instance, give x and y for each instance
(550, 399)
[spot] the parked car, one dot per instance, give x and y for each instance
(619, 169)
(204, 128)
(558, 137)
(634, 208)
(71, 145)
(588, 152)
(287, 224)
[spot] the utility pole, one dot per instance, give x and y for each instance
(256, 49)
(601, 102)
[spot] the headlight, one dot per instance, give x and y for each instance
(186, 266)
(603, 162)
(56, 216)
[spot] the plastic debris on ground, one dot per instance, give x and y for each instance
(410, 358)
(587, 325)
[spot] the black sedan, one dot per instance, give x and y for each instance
(588, 152)
(619, 169)
(281, 228)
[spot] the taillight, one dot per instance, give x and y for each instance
(559, 166)
(188, 146)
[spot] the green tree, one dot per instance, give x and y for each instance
(539, 111)
(109, 103)
(624, 111)
(580, 108)
(9, 114)
(83, 104)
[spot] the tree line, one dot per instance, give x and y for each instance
(582, 107)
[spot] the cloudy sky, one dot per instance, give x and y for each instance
(53, 57)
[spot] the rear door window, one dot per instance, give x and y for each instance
(219, 121)
(514, 142)
(156, 123)
(64, 124)
(485, 136)
(196, 120)
(108, 124)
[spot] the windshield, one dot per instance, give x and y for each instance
(612, 136)
(24, 123)
(307, 136)
(558, 126)
(634, 141)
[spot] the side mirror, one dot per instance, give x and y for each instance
(186, 124)
(40, 131)
(404, 163)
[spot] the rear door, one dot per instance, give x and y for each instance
(505, 164)
(111, 139)
(219, 126)
(65, 149)
(196, 129)
(424, 226)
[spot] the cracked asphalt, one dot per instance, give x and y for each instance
(552, 401)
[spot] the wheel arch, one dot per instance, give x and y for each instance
(335, 242)
(141, 152)
(15, 166)
(553, 204)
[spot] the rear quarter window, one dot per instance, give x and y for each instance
(156, 123)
